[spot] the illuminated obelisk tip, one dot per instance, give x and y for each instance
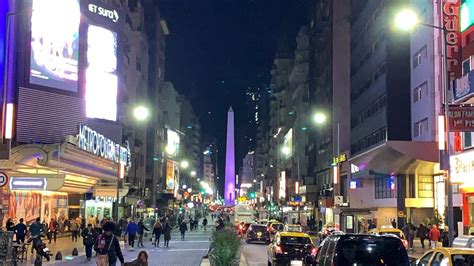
(229, 190)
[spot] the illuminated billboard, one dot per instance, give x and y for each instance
(467, 14)
(172, 146)
(101, 74)
(55, 44)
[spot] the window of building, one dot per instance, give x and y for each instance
(466, 66)
(467, 140)
(425, 187)
(419, 56)
(420, 127)
(385, 187)
(420, 92)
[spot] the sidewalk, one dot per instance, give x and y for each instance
(418, 251)
(63, 245)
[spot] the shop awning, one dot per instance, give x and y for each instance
(398, 157)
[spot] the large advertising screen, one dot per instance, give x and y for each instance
(101, 74)
(55, 44)
(172, 146)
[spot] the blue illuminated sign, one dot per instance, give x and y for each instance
(28, 183)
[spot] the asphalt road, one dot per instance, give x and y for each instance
(187, 252)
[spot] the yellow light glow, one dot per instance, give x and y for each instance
(406, 20)
(336, 174)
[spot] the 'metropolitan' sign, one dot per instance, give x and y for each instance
(97, 144)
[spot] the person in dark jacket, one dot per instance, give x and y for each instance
(141, 230)
(157, 230)
(132, 229)
(10, 225)
(183, 228)
(204, 223)
(422, 233)
(445, 237)
(89, 236)
(167, 232)
(108, 244)
(20, 231)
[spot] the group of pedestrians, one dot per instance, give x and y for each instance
(430, 233)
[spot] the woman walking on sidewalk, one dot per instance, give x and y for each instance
(141, 230)
(183, 228)
(107, 247)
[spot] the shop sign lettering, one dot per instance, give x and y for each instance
(450, 23)
(461, 118)
(93, 142)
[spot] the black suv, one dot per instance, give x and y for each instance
(354, 249)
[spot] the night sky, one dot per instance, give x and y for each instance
(218, 48)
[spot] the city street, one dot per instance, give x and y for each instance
(255, 254)
(187, 252)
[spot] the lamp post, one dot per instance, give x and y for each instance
(140, 113)
(406, 20)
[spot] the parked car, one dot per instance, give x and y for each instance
(355, 249)
(448, 257)
(291, 247)
(258, 233)
(463, 242)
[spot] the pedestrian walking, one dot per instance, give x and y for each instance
(167, 232)
(142, 260)
(74, 228)
(445, 237)
(132, 229)
(20, 232)
(123, 226)
(422, 233)
(183, 228)
(53, 229)
(141, 230)
(89, 236)
(434, 236)
(157, 230)
(204, 223)
(409, 231)
(107, 246)
(10, 225)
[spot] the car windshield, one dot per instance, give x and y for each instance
(463, 259)
(391, 233)
(295, 240)
(277, 227)
(362, 251)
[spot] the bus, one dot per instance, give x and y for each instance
(244, 213)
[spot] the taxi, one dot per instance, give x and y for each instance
(293, 228)
(290, 248)
(389, 230)
(447, 256)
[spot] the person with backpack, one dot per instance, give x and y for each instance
(157, 230)
(89, 236)
(107, 246)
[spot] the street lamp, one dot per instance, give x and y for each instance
(141, 113)
(407, 20)
(286, 150)
(184, 164)
(320, 118)
(193, 173)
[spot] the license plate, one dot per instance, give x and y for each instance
(296, 262)
(259, 234)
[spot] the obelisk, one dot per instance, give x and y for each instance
(229, 189)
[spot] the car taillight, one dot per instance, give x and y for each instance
(314, 251)
(240, 227)
(278, 250)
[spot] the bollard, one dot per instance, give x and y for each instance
(59, 256)
(75, 252)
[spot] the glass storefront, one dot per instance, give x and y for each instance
(100, 207)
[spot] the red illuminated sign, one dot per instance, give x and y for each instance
(450, 22)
